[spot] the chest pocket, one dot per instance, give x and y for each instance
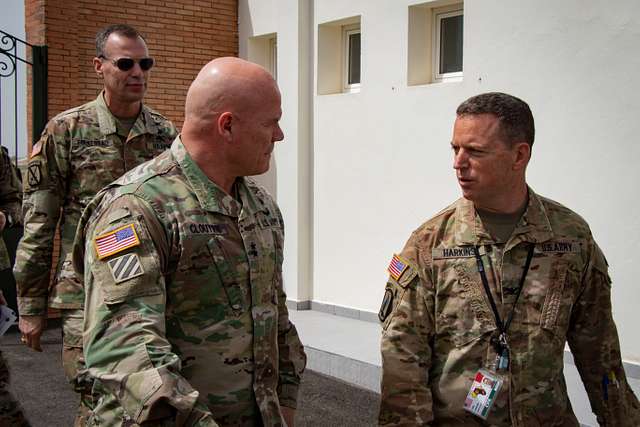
(95, 163)
(551, 292)
(462, 310)
(233, 271)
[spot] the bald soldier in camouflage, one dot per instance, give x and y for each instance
(443, 345)
(186, 322)
(81, 151)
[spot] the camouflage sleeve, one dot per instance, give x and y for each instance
(125, 344)
(594, 343)
(44, 189)
(292, 358)
(10, 189)
(406, 345)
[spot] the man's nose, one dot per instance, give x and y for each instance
(460, 160)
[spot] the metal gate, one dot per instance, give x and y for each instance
(17, 57)
(12, 63)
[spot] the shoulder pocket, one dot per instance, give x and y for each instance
(131, 269)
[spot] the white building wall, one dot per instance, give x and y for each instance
(381, 161)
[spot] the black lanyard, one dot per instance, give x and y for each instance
(503, 327)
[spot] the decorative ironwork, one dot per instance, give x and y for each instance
(9, 60)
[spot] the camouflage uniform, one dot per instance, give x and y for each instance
(438, 332)
(10, 200)
(189, 323)
(10, 205)
(81, 151)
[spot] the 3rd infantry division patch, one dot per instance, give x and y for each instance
(125, 267)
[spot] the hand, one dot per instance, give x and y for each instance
(31, 328)
(289, 415)
(2, 300)
(3, 221)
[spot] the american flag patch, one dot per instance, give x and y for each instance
(397, 267)
(116, 241)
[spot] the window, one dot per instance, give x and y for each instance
(435, 42)
(339, 56)
(448, 45)
(263, 50)
(273, 57)
(351, 60)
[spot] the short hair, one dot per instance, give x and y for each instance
(121, 29)
(516, 119)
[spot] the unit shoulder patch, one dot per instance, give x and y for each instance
(116, 241)
(34, 174)
(125, 267)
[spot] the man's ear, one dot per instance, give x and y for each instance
(97, 65)
(225, 124)
(523, 154)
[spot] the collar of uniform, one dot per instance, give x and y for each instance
(211, 197)
(533, 227)
(252, 200)
(143, 124)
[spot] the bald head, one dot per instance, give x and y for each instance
(227, 84)
(232, 116)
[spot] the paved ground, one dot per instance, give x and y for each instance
(39, 384)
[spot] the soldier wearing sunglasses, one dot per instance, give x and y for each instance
(80, 151)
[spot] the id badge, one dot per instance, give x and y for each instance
(483, 393)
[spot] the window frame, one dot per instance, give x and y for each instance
(273, 57)
(438, 16)
(347, 31)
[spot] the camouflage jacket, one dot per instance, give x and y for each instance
(81, 151)
(438, 323)
(188, 320)
(10, 200)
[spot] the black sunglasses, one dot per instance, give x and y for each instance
(125, 64)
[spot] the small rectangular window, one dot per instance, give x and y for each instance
(273, 57)
(351, 37)
(448, 28)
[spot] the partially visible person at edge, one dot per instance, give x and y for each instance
(10, 202)
(186, 322)
(483, 297)
(81, 151)
(10, 216)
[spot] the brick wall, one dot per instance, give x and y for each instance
(182, 35)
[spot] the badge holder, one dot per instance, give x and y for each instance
(483, 392)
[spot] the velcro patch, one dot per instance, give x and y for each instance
(37, 149)
(116, 241)
(397, 267)
(560, 246)
(125, 267)
(204, 228)
(387, 305)
(34, 174)
(459, 252)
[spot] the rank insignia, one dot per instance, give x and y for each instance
(116, 241)
(397, 267)
(34, 174)
(125, 267)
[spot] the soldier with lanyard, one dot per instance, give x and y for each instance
(483, 297)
